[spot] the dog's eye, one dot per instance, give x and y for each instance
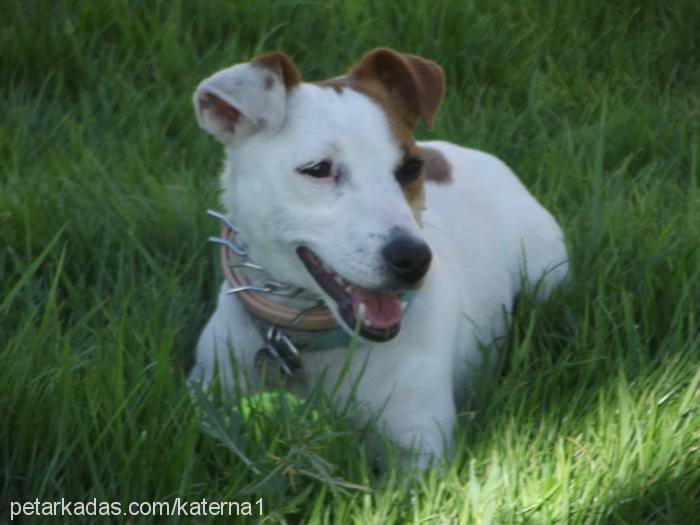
(318, 170)
(409, 171)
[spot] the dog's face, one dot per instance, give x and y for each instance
(325, 180)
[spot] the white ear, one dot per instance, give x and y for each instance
(246, 98)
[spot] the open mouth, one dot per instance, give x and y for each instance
(379, 313)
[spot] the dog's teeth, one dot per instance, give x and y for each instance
(338, 279)
(361, 312)
(348, 289)
(404, 304)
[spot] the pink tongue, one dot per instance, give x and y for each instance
(383, 310)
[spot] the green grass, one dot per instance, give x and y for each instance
(106, 278)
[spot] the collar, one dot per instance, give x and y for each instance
(290, 319)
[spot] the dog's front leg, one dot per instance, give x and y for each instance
(419, 413)
(227, 348)
(406, 397)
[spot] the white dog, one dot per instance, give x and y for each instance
(419, 249)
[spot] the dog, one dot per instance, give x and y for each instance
(378, 265)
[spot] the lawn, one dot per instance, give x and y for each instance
(106, 277)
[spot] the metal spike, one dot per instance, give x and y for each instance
(235, 248)
(223, 218)
(250, 265)
(274, 336)
(248, 288)
(306, 311)
(279, 359)
(279, 287)
(288, 342)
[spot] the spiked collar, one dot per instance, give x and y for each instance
(297, 321)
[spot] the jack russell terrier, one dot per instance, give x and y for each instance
(357, 257)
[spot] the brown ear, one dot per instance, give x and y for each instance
(415, 85)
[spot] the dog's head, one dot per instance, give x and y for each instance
(325, 180)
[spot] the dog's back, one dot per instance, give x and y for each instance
(494, 238)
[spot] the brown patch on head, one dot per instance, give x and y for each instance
(337, 84)
(281, 65)
(412, 86)
(406, 87)
(437, 169)
(414, 193)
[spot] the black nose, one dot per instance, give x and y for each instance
(407, 258)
